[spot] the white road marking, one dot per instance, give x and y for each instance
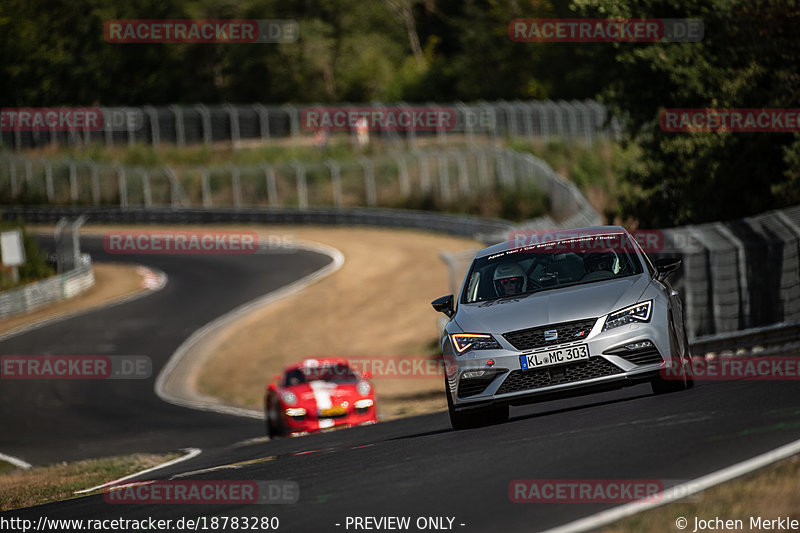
(172, 382)
(190, 453)
(16, 461)
(681, 491)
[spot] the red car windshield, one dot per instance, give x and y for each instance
(335, 373)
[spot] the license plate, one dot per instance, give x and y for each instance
(332, 411)
(554, 357)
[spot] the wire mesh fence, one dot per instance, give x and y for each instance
(432, 178)
(181, 125)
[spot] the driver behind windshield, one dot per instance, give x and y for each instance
(599, 261)
(509, 280)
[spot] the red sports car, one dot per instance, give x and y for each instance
(317, 394)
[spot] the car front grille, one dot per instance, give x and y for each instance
(645, 356)
(527, 339)
(476, 385)
(472, 387)
(595, 367)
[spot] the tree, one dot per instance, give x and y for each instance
(747, 59)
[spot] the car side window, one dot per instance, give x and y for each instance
(295, 377)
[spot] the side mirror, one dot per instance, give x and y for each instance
(666, 268)
(366, 375)
(444, 305)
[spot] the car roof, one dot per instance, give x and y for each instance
(529, 237)
(318, 361)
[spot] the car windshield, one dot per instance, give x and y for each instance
(335, 373)
(551, 265)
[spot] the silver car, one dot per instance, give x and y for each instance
(582, 311)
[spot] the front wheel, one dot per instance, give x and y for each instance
(272, 427)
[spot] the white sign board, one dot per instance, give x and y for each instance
(13, 252)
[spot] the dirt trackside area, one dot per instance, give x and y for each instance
(113, 281)
(377, 305)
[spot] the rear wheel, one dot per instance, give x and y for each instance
(475, 418)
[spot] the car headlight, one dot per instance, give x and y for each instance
(363, 388)
(635, 313)
(473, 341)
(363, 404)
(288, 398)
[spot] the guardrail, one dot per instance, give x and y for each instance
(183, 125)
(755, 341)
(42, 292)
(462, 225)
(388, 181)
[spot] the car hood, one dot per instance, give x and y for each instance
(323, 393)
(551, 306)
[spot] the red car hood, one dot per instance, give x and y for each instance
(324, 394)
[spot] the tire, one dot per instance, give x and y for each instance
(475, 418)
(272, 430)
(690, 369)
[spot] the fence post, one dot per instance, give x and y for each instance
(12, 170)
(444, 178)
(48, 179)
(263, 120)
(73, 180)
(402, 174)
(302, 188)
(424, 172)
(236, 186)
(180, 133)
(369, 181)
(294, 120)
(233, 115)
(511, 119)
(336, 181)
(205, 186)
(411, 133)
(95, 175)
(155, 133)
(272, 188)
(466, 122)
(146, 192)
(108, 135)
(205, 120)
(123, 186)
(463, 175)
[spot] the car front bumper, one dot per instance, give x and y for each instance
(616, 359)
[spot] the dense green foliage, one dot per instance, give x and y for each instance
(748, 58)
(54, 53)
